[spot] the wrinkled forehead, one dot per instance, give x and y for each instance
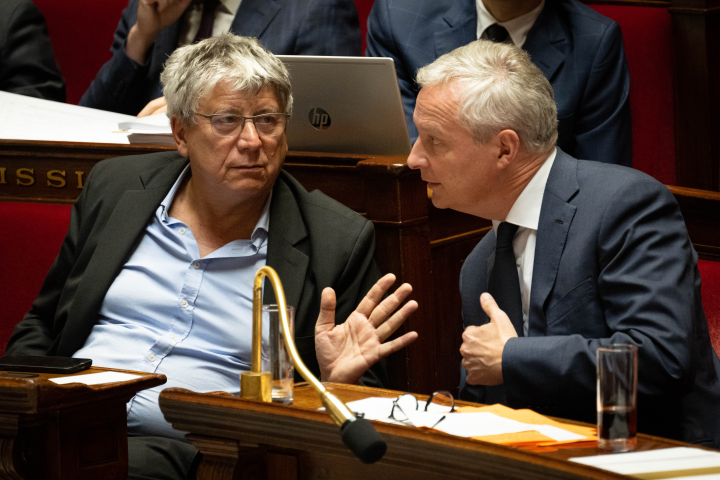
(438, 106)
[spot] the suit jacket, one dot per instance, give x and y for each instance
(580, 52)
(27, 63)
(313, 243)
(285, 27)
(613, 264)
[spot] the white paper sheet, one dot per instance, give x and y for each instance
(28, 118)
(472, 424)
(156, 124)
(661, 460)
(96, 378)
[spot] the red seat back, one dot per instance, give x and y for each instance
(81, 32)
(647, 32)
(31, 239)
(710, 274)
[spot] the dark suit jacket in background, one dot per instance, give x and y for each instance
(27, 63)
(580, 51)
(285, 27)
(313, 243)
(613, 264)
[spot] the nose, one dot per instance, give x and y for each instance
(249, 137)
(416, 159)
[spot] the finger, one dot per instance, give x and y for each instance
(399, 343)
(151, 107)
(394, 322)
(375, 295)
(488, 304)
(326, 318)
(390, 304)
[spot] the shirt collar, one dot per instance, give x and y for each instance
(231, 6)
(518, 27)
(228, 6)
(259, 232)
(525, 212)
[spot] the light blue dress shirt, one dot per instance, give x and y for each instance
(171, 312)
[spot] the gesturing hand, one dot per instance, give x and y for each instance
(483, 346)
(152, 17)
(346, 351)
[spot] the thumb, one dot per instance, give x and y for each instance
(326, 319)
(488, 304)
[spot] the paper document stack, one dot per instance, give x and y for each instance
(494, 423)
(154, 129)
(684, 463)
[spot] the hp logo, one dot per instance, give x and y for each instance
(319, 118)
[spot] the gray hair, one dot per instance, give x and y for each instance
(500, 88)
(239, 62)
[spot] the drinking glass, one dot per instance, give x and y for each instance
(275, 357)
(617, 366)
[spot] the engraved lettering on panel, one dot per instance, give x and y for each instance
(2, 175)
(79, 179)
(56, 178)
(25, 174)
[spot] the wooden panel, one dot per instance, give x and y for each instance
(696, 43)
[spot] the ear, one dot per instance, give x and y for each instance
(508, 144)
(179, 131)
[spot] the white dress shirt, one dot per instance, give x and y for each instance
(190, 23)
(518, 27)
(525, 213)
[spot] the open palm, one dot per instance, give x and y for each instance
(346, 351)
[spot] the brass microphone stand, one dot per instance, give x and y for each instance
(358, 434)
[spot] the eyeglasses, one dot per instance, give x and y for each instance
(229, 125)
(408, 403)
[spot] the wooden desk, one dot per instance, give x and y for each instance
(274, 442)
(65, 432)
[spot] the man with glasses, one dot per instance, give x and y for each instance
(156, 271)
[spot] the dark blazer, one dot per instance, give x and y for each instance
(613, 264)
(580, 51)
(27, 63)
(313, 243)
(285, 27)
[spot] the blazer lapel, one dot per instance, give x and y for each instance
(556, 216)
(461, 29)
(287, 230)
(117, 241)
(254, 16)
(546, 41)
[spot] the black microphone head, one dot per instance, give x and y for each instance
(363, 440)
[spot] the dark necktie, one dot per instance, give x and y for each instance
(503, 283)
(497, 33)
(504, 286)
(207, 21)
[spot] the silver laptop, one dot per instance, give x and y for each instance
(346, 105)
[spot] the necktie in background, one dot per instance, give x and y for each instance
(504, 284)
(207, 21)
(497, 33)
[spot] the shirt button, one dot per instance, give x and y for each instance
(182, 230)
(196, 265)
(518, 262)
(151, 357)
(173, 337)
(184, 304)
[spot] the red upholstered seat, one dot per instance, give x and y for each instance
(647, 32)
(710, 274)
(31, 239)
(81, 32)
